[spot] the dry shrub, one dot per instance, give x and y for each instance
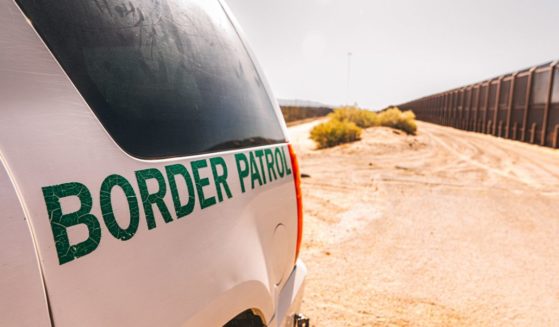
(334, 132)
(346, 122)
(394, 118)
(361, 118)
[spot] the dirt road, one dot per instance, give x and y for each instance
(446, 228)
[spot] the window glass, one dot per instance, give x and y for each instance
(165, 77)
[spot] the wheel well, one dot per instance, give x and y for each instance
(248, 318)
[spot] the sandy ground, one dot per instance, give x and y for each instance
(446, 228)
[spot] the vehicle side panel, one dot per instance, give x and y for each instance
(160, 276)
(22, 300)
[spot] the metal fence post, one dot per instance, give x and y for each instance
(510, 104)
(547, 104)
(527, 105)
(497, 100)
(486, 113)
(478, 100)
(452, 102)
(469, 112)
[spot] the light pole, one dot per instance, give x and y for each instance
(349, 54)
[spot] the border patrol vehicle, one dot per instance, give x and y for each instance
(145, 174)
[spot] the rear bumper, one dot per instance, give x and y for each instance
(290, 297)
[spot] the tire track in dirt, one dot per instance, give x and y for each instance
(446, 228)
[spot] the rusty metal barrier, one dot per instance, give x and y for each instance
(522, 106)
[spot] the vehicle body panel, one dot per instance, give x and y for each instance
(161, 276)
(23, 300)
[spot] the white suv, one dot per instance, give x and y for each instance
(145, 174)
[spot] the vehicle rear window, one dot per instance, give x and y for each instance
(165, 78)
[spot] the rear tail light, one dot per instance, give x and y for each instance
(297, 179)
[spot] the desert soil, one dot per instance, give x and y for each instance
(446, 228)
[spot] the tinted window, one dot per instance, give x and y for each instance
(166, 78)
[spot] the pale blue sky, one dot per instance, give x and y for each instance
(402, 49)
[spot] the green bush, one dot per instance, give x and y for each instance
(394, 118)
(361, 118)
(334, 132)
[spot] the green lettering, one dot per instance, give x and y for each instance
(243, 172)
(287, 169)
(270, 164)
(60, 222)
(279, 160)
(180, 209)
(220, 179)
(259, 154)
(254, 174)
(148, 199)
(200, 183)
(107, 207)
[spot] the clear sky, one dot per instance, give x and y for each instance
(401, 49)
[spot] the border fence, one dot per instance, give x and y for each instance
(522, 106)
(294, 110)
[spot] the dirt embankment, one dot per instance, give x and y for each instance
(447, 228)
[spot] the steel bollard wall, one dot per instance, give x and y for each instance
(521, 106)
